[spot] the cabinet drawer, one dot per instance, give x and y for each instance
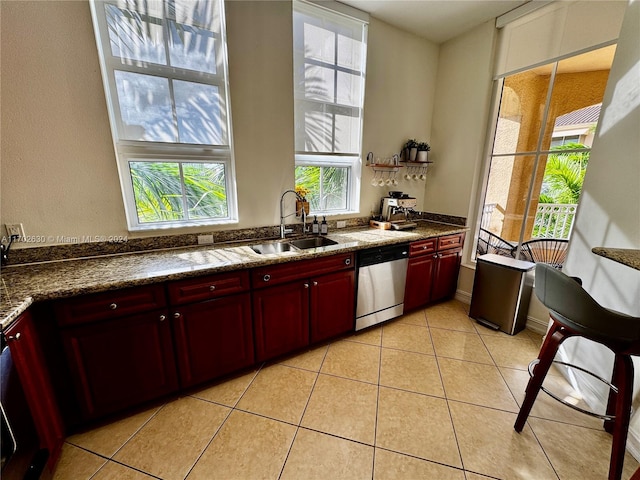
(276, 274)
(101, 306)
(450, 241)
(205, 288)
(423, 247)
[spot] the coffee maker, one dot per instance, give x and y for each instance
(395, 208)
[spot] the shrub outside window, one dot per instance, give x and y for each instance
(165, 74)
(329, 75)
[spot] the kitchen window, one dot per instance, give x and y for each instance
(164, 69)
(329, 77)
(537, 163)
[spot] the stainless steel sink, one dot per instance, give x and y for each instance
(265, 248)
(312, 242)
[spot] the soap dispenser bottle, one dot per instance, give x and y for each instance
(315, 226)
(324, 228)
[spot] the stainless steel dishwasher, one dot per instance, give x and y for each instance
(382, 274)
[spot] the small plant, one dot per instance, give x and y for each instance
(423, 147)
(411, 143)
(302, 191)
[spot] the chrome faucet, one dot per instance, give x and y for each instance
(283, 229)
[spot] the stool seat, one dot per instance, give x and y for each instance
(575, 313)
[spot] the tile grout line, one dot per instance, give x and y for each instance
(231, 410)
(446, 399)
(375, 425)
(295, 435)
(517, 403)
(151, 475)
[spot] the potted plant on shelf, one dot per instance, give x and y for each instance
(300, 204)
(410, 150)
(423, 152)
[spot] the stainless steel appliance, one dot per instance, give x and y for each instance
(22, 458)
(395, 208)
(382, 273)
(501, 291)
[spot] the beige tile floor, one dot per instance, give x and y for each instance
(430, 395)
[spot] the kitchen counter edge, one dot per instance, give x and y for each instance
(23, 285)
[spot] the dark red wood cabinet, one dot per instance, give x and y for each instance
(121, 362)
(212, 326)
(419, 281)
(213, 338)
(432, 273)
(281, 319)
(34, 377)
(332, 304)
(303, 302)
(119, 348)
(446, 274)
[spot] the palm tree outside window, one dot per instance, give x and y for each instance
(329, 76)
(164, 69)
(543, 131)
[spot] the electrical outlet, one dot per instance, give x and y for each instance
(14, 229)
(205, 239)
(341, 223)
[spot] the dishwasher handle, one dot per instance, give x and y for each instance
(373, 256)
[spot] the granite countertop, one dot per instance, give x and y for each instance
(22, 285)
(626, 256)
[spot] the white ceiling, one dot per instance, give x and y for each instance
(435, 20)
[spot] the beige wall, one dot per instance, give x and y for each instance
(58, 171)
(459, 129)
(399, 102)
(459, 120)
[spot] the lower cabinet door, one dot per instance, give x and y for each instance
(281, 319)
(446, 275)
(122, 362)
(419, 282)
(213, 338)
(332, 305)
(29, 362)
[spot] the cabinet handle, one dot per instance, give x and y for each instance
(162, 318)
(113, 306)
(347, 261)
(266, 278)
(212, 288)
(176, 315)
(315, 284)
(424, 247)
(16, 337)
(306, 285)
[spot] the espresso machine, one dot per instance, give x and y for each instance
(395, 208)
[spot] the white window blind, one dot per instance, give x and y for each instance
(555, 31)
(165, 75)
(329, 80)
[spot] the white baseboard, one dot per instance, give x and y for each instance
(464, 297)
(534, 324)
(537, 325)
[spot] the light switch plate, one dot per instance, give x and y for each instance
(14, 229)
(341, 223)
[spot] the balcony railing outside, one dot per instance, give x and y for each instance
(554, 220)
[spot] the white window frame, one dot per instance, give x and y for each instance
(350, 160)
(174, 152)
(536, 154)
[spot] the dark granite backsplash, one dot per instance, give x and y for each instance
(66, 251)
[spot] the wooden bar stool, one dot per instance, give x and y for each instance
(575, 313)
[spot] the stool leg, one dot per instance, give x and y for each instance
(617, 377)
(552, 342)
(624, 366)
